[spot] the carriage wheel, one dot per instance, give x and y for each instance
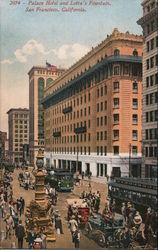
(88, 229)
(101, 240)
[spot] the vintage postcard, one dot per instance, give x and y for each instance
(78, 124)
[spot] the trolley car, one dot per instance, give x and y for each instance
(141, 192)
(61, 180)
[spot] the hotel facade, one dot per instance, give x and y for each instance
(18, 128)
(93, 111)
(149, 23)
(39, 78)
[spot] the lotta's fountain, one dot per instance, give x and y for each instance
(39, 219)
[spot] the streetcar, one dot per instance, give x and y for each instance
(60, 179)
(141, 192)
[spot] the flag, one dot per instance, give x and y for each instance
(51, 67)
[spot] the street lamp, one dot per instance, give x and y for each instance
(130, 174)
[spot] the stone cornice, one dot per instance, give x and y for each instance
(115, 36)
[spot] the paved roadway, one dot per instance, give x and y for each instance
(62, 241)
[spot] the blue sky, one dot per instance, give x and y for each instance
(29, 39)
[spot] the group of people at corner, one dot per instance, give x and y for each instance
(11, 212)
(133, 218)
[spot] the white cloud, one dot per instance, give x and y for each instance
(6, 61)
(61, 53)
(78, 50)
(75, 51)
(29, 49)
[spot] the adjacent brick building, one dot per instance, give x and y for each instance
(18, 128)
(93, 110)
(149, 23)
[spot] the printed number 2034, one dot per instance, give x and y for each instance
(14, 2)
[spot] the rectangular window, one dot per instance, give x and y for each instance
(89, 123)
(89, 97)
(105, 89)
(97, 150)
(147, 82)
(116, 135)
(152, 62)
(101, 136)
(89, 150)
(147, 46)
(147, 64)
(84, 98)
(152, 44)
(134, 150)
(105, 105)
(85, 111)
(97, 136)
(101, 121)
(98, 93)
(116, 70)
(101, 107)
(97, 121)
(152, 98)
(89, 137)
(89, 110)
(151, 80)
(157, 41)
(116, 102)
(105, 135)
(135, 103)
(97, 107)
(147, 117)
(135, 135)
(116, 150)
(156, 63)
(135, 87)
(101, 150)
(152, 25)
(101, 91)
(116, 86)
(116, 118)
(105, 150)
(105, 120)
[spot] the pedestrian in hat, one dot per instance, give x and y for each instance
(76, 238)
(9, 225)
(20, 233)
(137, 220)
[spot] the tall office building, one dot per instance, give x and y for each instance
(93, 111)
(3, 139)
(39, 77)
(18, 127)
(149, 23)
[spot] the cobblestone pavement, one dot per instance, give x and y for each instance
(65, 240)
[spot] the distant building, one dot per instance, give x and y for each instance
(93, 110)
(149, 23)
(18, 127)
(3, 138)
(39, 78)
(7, 150)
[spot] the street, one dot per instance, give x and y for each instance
(62, 240)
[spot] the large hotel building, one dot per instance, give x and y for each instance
(149, 23)
(93, 110)
(39, 78)
(18, 127)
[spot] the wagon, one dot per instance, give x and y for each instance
(83, 212)
(104, 228)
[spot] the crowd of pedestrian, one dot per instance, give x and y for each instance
(11, 210)
(91, 200)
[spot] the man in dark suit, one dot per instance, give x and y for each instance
(20, 233)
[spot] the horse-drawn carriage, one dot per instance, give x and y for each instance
(77, 207)
(105, 229)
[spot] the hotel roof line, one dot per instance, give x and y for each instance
(116, 35)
